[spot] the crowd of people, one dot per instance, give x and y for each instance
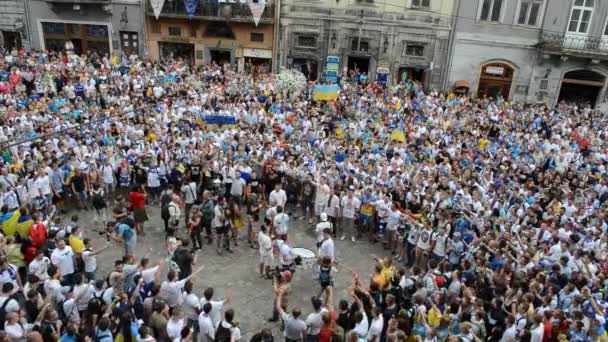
(491, 215)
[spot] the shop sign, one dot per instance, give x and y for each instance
(331, 68)
(492, 70)
(257, 53)
(382, 76)
(175, 39)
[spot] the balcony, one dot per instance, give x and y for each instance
(235, 12)
(574, 45)
(81, 2)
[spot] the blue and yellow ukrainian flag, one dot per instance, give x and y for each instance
(325, 92)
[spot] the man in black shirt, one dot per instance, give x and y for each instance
(184, 259)
(78, 189)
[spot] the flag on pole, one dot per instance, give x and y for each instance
(256, 11)
(191, 6)
(157, 7)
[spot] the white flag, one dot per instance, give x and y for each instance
(256, 11)
(157, 7)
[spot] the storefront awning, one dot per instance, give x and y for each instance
(462, 84)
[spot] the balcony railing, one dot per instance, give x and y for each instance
(567, 43)
(214, 11)
(81, 2)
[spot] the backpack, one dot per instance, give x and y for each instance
(325, 277)
(164, 211)
(222, 334)
(3, 310)
(98, 200)
(63, 317)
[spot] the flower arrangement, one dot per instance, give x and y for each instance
(290, 81)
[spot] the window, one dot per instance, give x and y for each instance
(257, 37)
(491, 10)
(307, 41)
(544, 84)
(580, 17)
(219, 30)
(175, 31)
(416, 50)
(530, 12)
(359, 45)
(53, 28)
(129, 41)
(97, 30)
(421, 3)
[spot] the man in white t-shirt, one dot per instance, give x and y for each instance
(39, 266)
(280, 223)
(107, 174)
(349, 206)
(89, 258)
(63, 258)
(191, 305)
(206, 328)
(7, 291)
(265, 248)
(189, 196)
(321, 226)
(217, 306)
(171, 289)
(237, 187)
(327, 248)
(375, 329)
(277, 197)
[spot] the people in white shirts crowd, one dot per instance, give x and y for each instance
(492, 213)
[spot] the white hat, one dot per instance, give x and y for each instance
(323, 217)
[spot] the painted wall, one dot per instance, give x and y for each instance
(242, 33)
(40, 10)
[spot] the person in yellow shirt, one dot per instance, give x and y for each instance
(379, 278)
(483, 143)
(76, 241)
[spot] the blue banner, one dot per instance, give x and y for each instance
(191, 6)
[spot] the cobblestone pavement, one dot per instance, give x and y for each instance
(252, 296)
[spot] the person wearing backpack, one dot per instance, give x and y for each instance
(325, 275)
(165, 199)
(125, 234)
(227, 330)
(8, 303)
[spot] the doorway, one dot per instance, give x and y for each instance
(12, 40)
(495, 79)
(581, 87)
(177, 50)
(358, 65)
(409, 73)
(308, 67)
(220, 57)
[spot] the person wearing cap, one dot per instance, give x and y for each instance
(327, 248)
(321, 226)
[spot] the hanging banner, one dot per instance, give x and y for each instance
(191, 6)
(157, 7)
(257, 9)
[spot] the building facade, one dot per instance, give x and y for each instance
(105, 26)
(389, 40)
(222, 32)
(535, 51)
(13, 24)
